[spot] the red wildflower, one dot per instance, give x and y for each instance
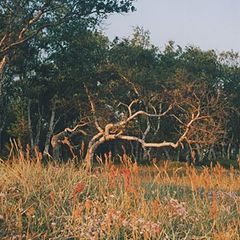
(79, 187)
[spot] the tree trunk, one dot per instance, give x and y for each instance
(52, 125)
(212, 154)
(2, 105)
(38, 127)
(223, 151)
(229, 149)
(89, 156)
(140, 153)
(56, 147)
(238, 154)
(1, 129)
(92, 146)
(30, 124)
(199, 153)
(2, 65)
(167, 154)
(57, 141)
(2, 124)
(146, 154)
(90, 153)
(178, 154)
(38, 132)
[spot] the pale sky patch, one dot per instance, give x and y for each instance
(208, 24)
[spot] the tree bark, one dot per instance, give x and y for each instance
(38, 131)
(199, 152)
(30, 124)
(101, 138)
(93, 145)
(2, 65)
(229, 149)
(1, 130)
(3, 117)
(223, 150)
(51, 128)
(212, 154)
(56, 147)
(57, 142)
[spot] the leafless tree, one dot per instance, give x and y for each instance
(194, 113)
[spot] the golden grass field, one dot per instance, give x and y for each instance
(162, 201)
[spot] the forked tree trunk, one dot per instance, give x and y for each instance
(57, 141)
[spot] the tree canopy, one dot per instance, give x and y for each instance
(63, 83)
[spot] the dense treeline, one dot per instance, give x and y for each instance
(68, 85)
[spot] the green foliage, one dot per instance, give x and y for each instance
(50, 72)
(15, 15)
(18, 127)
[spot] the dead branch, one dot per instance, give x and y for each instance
(131, 83)
(93, 109)
(3, 39)
(71, 130)
(129, 107)
(123, 123)
(23, 40)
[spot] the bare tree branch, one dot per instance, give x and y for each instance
(131, 83)
(93, 109)
(3, 39)
(71, 130)
(23, 40)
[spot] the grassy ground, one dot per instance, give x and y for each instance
(162, 201)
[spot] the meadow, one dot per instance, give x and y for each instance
(165, 200)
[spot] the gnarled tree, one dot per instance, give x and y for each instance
(196, 115)
(22, 21)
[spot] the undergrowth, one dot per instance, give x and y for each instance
(62, 201)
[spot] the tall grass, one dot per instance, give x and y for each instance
(163, 201)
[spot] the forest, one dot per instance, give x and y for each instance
(61, 77)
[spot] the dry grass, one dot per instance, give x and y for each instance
(167, 201)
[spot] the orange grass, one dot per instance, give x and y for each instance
(162, 201)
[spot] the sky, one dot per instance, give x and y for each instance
(208, 24)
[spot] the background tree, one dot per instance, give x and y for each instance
(75, 68)
(41, 27)
(21, 21)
